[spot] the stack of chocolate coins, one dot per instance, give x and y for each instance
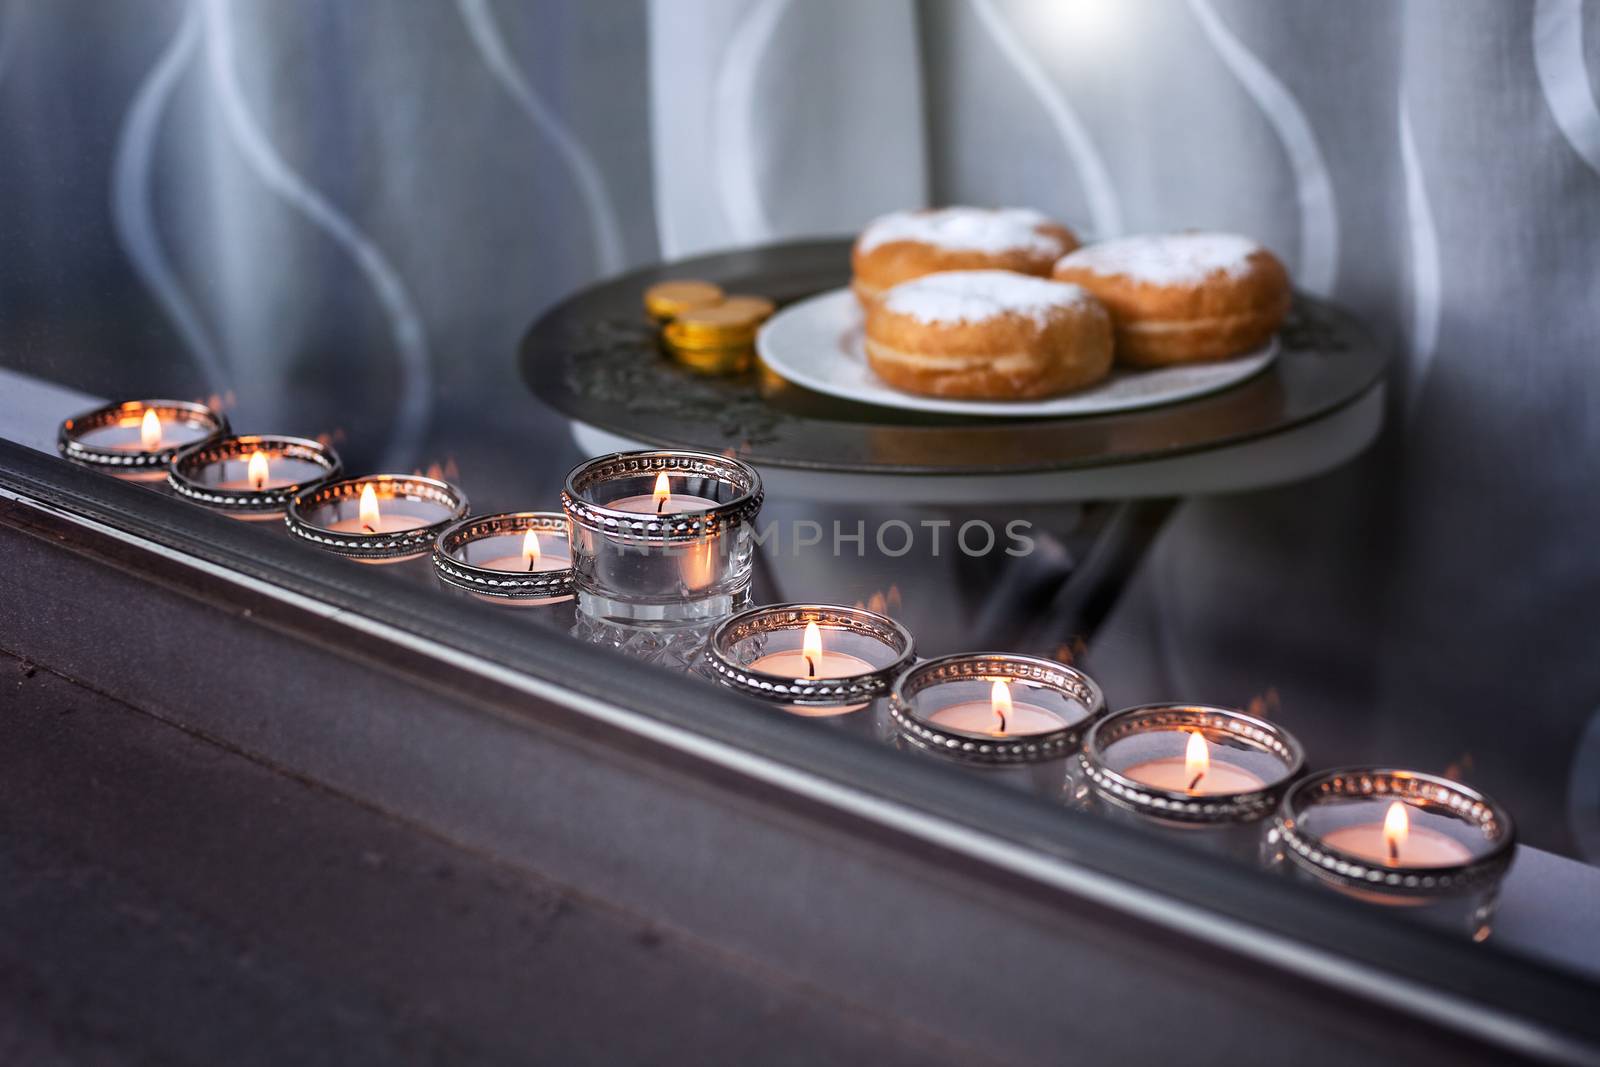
(704, 328)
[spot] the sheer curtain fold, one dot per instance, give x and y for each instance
(776, 118)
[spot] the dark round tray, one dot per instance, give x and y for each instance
(595, 358)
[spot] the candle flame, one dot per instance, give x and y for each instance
(530, 549)
(150, 430)
(258, 469)
(811, 647)
(663, 492)
(1196, 759)
(369, 509)
(1000, 703)
(1396, 828)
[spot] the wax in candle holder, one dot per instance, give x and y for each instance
(663, 536)
(251, 476)
(1398, 838)
(834, 664)
(137, 439)
(519, 558)
(378, 519)
(1015, 718)
(1206, 777)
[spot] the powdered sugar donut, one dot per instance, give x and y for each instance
(988, 334)
(909, 244)
(1183, 297)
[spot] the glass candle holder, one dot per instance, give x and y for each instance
(661, 536)
(1017, 719)
(1397, 838)
(251, 476)
(519, 558)
(834, 664)
(379, 519)
(1206, 777)
(137, 439)
(678, 647)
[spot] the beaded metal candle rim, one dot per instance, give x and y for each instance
(181, 475)
(811, 692)
(1426, 791)
(673, 526)
(982, 666)
(375, 545)
(69, 444)
(1174, 804)
(486, 581)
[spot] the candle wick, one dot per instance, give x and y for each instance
(1196, 781)
(1001, 716)
(661, 504)
(811, 667)
(1394, 850)
(531, 562)
(367, 528)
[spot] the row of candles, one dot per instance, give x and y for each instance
(665, 538)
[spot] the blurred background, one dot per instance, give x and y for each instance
(344, 216)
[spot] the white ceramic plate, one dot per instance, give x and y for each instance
(817, 343)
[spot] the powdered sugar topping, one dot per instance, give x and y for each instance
(967, 229)
(1167, 258)
(978, 295)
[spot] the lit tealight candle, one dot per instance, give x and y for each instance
(662, 501)
(136, 439)
(1396, 843)
(811, 661)
(533, 559)
(149, 432)
(259, 474)
(371, 520)
(1195, 772)
(999, 716)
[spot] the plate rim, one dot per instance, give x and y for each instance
(1267, 355)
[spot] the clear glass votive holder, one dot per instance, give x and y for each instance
(382, 518)
(226, 476)
(1205, 777)
(938, 708)
(1425, 845)
(492, 558)
(679, 647)
(843, 681)
(137, 439)
(642, 555)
